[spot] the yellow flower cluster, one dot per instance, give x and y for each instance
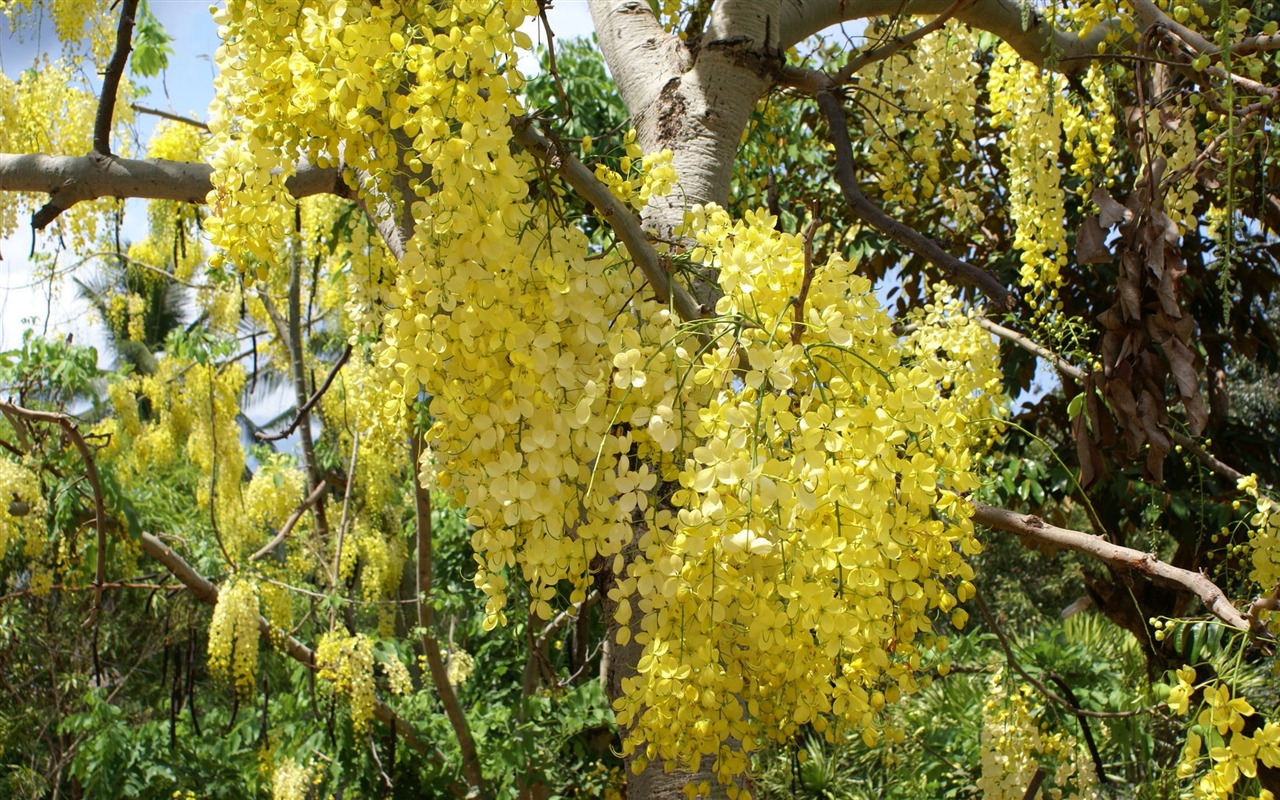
(641, 176)
(1027, 102)
(1015, 746)
(923, 112)
(1089, 132)
(73, 22)
(1233, 756)
(460, 665)
(22, 509)
(398, 679)
(262, 507)
(291, 781)
(360, 403)
(1264, 536)
(173, 240)
(233, 634)
(460, 61)
(346, 662)
(792, 487)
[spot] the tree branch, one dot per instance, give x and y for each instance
(169, 115)
(430, 646)
(311, 401)
(111, 79)
(206, 592)
(620, 219)
(1122, 559)
(1004, 18)
(74, 179)
(1064, 366)
(289, 524)
(870, 213)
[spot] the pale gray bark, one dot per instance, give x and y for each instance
(73, 179)
(1037, 41)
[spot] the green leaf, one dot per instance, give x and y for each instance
(1075, 406)
(150, 44)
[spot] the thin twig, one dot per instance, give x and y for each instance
(1064, 366)
(169, 115)
(1204, 456)
(894, 46)
(346, 505)
(311, 401)
(797, 329)
(1048, 693)
(111, 80)
(287, 528)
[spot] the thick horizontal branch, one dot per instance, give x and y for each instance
(206, 592)
(1028, 31)
(74, 179)
(1123, 559)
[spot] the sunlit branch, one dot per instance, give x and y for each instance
(206, 592)
(625, 224)
(169, 115)
(111, 79)
(1122, 559)
(75, 179)
(1063, 366)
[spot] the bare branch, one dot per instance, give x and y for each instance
(426, 624)
(1064, 366)
(1122, 559)
(169, 115)
(111, 79)
(870, 213)
(311, 401)
(74, 179)
(1204, 456)
(289, 524)
(897, 45)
